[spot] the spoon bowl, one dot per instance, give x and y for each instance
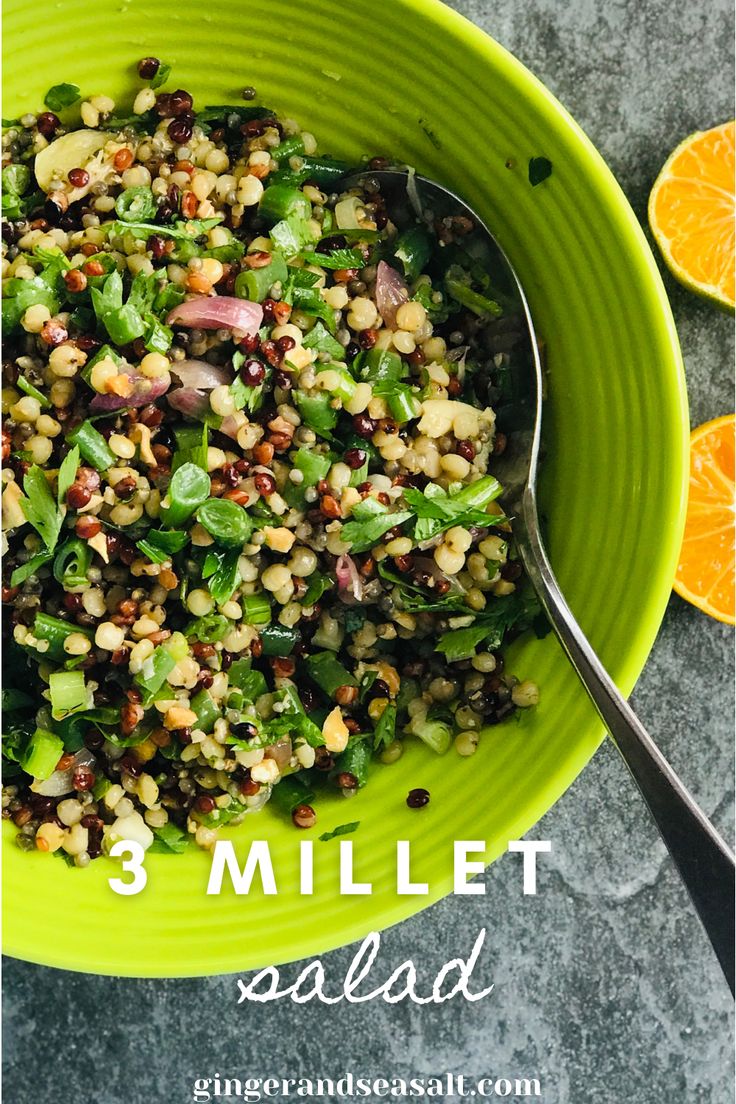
(703, 859)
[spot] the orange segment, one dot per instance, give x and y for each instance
(691, 213)
(705, 574)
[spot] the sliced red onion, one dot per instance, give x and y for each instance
(189, 401)
(196, 404)
(144, 391)
(280, 752)
(201, 374)
(348, 577)
(215, 312)
(60, 782)
(229, 426)
(391, 293)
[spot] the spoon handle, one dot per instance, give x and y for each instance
(704, 860)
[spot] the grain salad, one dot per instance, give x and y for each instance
(253, 540)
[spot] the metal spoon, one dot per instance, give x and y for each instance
(704, 860)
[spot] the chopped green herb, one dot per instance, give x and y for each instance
(170, 839)
(362, 535)
(336, 258)
(413, 249)
(489, 628)
(227, 522)
(60, 96)
(355, 760)
(317, 412)
(385, 730)
(222, 573)
(162, 75)
(539, 169)
(290, 792)
(40, 508)
(436, 510)
(318, 584)
(321, 339)
(341, 830)
(67, 473)
(291, 235)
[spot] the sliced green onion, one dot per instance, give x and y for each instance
(403, 405)
(313, 465)
(291, 147)
(93, 446)
(54, 631)
(160, 664)
(478, 495)
(101, 786)
(380, 365)
(281, 201)
(188, 489)
(346, 385)
(33, 392)
(251, 683)
(72, 562)
(207, 711)
(191, 442)
(324, 171)
(208, 629)
(69, 692)
(437, 735)
(328, 673)
(224, 520)
(256, 609)
(473, 300)
(42, 754)
(277, 640)
(236, 700)
(255, 283)
(135, 205)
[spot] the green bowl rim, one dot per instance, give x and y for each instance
(628, 665)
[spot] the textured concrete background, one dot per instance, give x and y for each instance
(605, 986)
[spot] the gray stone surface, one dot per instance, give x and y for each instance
(606, 988)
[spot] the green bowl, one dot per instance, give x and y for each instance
(411, 79)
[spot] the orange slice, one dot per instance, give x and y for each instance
(691, 213)
(705, 574)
